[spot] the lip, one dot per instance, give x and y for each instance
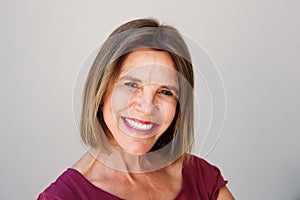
(137, 132)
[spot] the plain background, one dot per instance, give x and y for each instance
(255, 44)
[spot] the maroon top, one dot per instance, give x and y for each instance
(201, 180)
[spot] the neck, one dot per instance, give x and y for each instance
(133, 163)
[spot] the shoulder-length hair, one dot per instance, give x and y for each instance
(130, 36)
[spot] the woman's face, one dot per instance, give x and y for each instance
(141, 103)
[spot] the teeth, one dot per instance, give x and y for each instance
(139, 126)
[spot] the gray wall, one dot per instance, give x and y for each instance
(255, 44)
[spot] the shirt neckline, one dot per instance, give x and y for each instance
(118, 198)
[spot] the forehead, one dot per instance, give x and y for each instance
(150, 65)
(147, 56)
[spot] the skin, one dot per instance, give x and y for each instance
(162, 184)
(145, 93)
(225, 194)
(148, 102)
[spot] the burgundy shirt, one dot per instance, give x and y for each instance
(201, 180)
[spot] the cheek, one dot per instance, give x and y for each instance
(169, 110)
(120, 99)
(114, 101)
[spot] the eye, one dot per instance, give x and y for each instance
(167, 93)
(131, 84)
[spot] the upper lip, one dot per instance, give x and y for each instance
(140, 121)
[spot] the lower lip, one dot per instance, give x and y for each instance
(137, 132)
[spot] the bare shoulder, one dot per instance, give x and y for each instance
(225, 194)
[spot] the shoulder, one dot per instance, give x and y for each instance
(75, 183)
(201, 165)
(71, 184)
(65, 187)
(205, 177)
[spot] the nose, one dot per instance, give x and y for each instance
(145, 101)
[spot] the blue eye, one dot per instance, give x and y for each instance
(131, 84)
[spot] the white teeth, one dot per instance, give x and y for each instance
(139, 126)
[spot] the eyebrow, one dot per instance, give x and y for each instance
(131, 78)
(175, 89)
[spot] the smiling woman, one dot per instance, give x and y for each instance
(137, 120)
(140, 105)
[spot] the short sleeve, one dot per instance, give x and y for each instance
(214, 179)
(202, 179)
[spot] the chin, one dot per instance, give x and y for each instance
(135, 145)
(135, 149)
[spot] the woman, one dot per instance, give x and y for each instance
(137, 120)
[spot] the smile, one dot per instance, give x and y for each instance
(144, 126)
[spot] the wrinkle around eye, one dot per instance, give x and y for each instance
(168, 94)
